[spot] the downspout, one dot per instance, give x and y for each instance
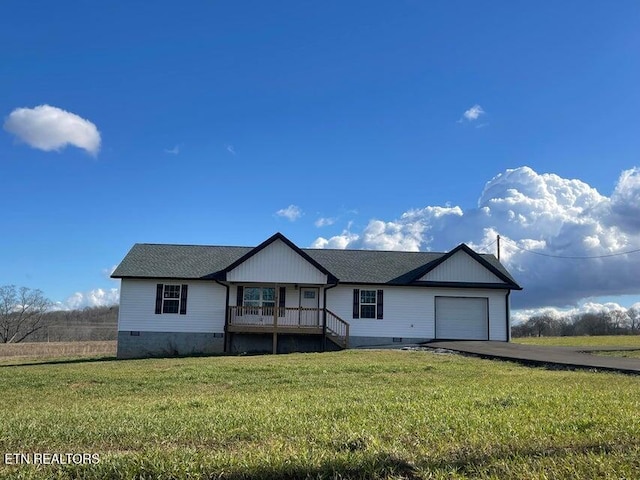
(508, 314)
(324, 316)
(226, 317)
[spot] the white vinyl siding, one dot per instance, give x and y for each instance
(462, 318)
(277, 263)
(205, 308)
(461, 267)
(410, 311)
(404, 311)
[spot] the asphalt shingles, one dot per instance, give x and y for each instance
(146, 260)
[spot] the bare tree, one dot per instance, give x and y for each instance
(634, 318)
(540, 323)
(619, 321)
(22, 312)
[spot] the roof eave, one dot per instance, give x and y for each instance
(493, 286)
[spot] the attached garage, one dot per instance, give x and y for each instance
(462, 318)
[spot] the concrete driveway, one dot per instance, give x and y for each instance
(572, 357)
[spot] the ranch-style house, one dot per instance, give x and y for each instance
(277, 297)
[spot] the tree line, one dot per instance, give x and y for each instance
(615, 322)
(26, 315)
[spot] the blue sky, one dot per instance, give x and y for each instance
(211, 117)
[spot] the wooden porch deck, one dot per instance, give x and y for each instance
(288, 320)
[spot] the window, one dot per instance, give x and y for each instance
(260, 300)
(171, 298)
(259, 297)
(310, 294)
(368, 303)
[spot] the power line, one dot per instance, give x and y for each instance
(571, 257)
(487, 246)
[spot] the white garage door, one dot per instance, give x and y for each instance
(462, 318)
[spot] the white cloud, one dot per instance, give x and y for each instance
(519, 316)
(544, 213)
(473, 113)
(324, 222)
(625, 200)
(50, 128)
(231, 150)
(106, 272)
(292, 213)
(93, 298)
(173, 151)
(339, 242)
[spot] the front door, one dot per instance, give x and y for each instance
(309, 298)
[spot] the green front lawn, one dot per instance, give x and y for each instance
(351, 414)
(620, 353)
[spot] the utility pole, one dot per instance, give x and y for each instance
(498, 247)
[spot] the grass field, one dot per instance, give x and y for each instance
(351, 414)
(620, 353)
(39, 350)
(584, 341)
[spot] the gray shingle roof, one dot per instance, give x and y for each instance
(349, 266)
(148, 260)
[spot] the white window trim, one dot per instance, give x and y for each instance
(179, 299)
(261, 300)
(375, 304)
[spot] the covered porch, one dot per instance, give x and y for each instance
(277, 289)
(274, 320)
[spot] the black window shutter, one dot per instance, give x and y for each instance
(282, 301)
(356, 303)
(380, 305)
(158, 298)
(183, 299)
(239, 299)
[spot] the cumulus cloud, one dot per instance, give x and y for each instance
(173, 151)
(540, 217)
(324, 222)
(519, 316)
(93, 298)
(473, 113)
(292, 213)
(50, 128)
(625, 200)
(339, 242)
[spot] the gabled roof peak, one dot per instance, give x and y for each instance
(273, 238)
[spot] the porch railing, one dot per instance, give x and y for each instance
(291, 317)
(337, 329)
(275, 316)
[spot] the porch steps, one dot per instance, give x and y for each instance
(337, 330)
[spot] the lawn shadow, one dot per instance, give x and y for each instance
(382, 465)
(106, 358)
(61, 361)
